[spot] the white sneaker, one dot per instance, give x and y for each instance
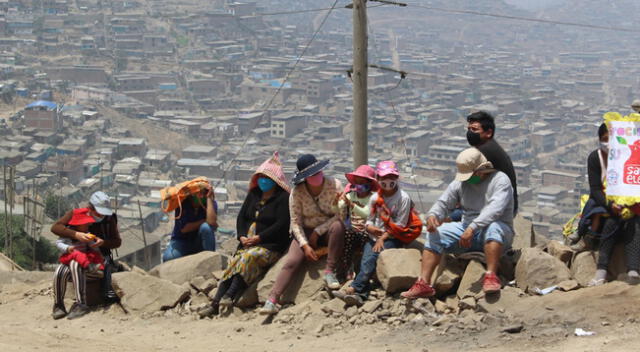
(269, 308)
(596, 282)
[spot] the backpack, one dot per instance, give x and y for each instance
(404, 234)
(173, 196)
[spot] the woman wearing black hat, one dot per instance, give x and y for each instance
(314, 223)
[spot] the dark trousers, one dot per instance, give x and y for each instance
(368, 266)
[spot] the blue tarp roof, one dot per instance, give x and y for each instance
(43, 103)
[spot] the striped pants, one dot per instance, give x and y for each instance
(61, 277)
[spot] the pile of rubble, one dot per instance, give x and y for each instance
(533, 266)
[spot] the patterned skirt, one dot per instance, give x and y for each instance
(250, 263)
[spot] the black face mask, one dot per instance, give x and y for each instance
(473, 138)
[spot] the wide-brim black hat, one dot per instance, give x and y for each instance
(307, 165)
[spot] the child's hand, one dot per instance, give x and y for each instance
(379, 246)
(70, 249)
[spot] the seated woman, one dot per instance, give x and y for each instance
(314, 223)
(263, 232)
(101, 234)
(596, 208)
(195, 226)
(618, 223)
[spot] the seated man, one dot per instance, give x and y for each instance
(486, 198)
(194, 229)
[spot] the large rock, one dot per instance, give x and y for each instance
(537, 269)
(448, 274)
(583, 268)
(508, 298)
(185, 269)
(250, 296)
(560, 251)
(146, 293)
(524, 234)
(471, 283)
(398, 269)
(306, 282)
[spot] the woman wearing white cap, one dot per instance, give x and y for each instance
(107, 238)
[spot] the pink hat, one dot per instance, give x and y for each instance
(387, 167)
(364, 171)
(271, 168)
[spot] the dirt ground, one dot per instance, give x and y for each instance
(611, 311)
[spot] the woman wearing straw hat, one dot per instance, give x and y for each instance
(263, 232)
(314, 222)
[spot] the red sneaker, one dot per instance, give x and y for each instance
(491, 283)
(419, 289)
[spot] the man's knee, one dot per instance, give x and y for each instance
(205, 228)
(337, 228)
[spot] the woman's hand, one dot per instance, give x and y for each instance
(309, 253)
(244, 240)
(84, 237)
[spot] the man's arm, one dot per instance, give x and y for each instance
(447, 200)
(212, 209)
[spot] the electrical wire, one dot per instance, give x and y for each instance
(282, 84)
(525, 19)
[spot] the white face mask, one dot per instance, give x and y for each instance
(604, 146)
(388, 185)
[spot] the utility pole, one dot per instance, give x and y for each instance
(359, 78)
(6, 213)
(144, 239)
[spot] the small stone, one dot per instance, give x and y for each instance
(605, 323)
(335, 305)
(568, 285)
(440, 306)
(371, 306)
(442, 320)
(513, 329)
(351, 311)
(467, 303)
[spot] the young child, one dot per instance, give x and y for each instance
(88, 257)
(389, 204)
(354, 207)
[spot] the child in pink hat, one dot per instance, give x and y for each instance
(354, 209)
(398, 208)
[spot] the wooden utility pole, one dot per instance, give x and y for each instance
(359, 78)
(6, 213)
(144, 239)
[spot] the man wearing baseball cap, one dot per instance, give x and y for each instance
(486, 197)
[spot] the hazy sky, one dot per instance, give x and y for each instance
(534, 4)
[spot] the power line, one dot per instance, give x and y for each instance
(293, 12)
(526, 19)
(282, 84)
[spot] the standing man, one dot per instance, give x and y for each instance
(480, 131)
(486, 198)
(194, 229)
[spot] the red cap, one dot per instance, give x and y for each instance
(81, 216)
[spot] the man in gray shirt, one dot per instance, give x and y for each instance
(486, 197)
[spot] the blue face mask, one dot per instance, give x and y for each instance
(97, 218)
(362, 188)
(266, 184)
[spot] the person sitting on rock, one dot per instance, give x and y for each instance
(314, 223)
(195, 225)
(486, 197)
(89, 258)
(596, 209)
(355, 208)
(394, 205)
(609, 222)
(105, 237)
(263, 232)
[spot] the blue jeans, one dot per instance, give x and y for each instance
(205, 240)
(368, 266)
(446, 237)
(456, 215)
